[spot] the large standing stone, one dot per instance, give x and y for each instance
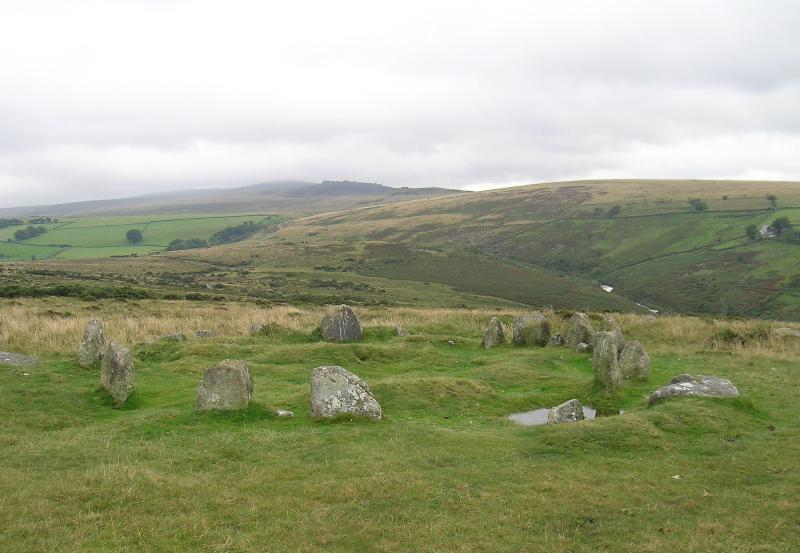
(93, 345)
(337, 391)
(580, 330)
(226, 387)
(340, 324)
(493, 334)
(531, 330)
(687, 385)
(116, 372)
(604, 360)
(569, 411)
(634, 361)
(609, 324)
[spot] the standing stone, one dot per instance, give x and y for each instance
(556, 340)
(604, 361)
(532, 330)
(634, 361)
(569, 411)
(687, 385)
(226, 387)
(580, 330)
(91, 350)
(256, 329)
(116, 372)
(400, 331)
(609, 324)
(337, 391)
(340, 324)
(494, 334)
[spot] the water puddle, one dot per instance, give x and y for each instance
(539, 416)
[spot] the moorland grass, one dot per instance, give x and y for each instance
(444, 471)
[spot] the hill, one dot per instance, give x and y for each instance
(282, 197)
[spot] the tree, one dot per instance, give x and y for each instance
(752, 232)
(134, 236)
(698, 204)
(773, 200)
(781, 224)
(614, 211)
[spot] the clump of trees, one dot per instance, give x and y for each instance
(752, 232)
(780, 226)
(41, 220)
(29, 232)
(234, 234)
(190, 244)
(134, 236)
(5, 223)
(698, 204)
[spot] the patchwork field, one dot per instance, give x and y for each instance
(97, 237)
(444, 470)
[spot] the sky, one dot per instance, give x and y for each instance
(105, 98)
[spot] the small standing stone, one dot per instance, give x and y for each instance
(226, 387)
(532, 330)
(205, 334)
(556, 340)
(400, 331)
(93, 345)
(116, 372)
(256, 328)
(580, 330)
(634, 361)
(569, 411)
(583, 347)
(494, 334)
(604, 361)
(337, 391)
(340, 324)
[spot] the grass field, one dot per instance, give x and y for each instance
(97, 237)
(444, 471)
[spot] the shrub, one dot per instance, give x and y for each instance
(698, 204)
(134, 236)
(29, 232)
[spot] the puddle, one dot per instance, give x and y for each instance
(539, 416)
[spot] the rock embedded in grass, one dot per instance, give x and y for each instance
(336, 391)
(93, 345)
(786, 333)
(226, 387)
(556, 340)
(605, 363)
(580, 330)
(634, 361)
(400, 331)
(493, 334)
(531, 330)
(256, 329)
(116, 372)
(205, 334)
(16, 359)
(174, 337)
(685, 385)
(569, 411)
(340, 324)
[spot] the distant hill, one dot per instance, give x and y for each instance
(280, 197)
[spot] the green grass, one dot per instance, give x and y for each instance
(444, 471)
(97, 237)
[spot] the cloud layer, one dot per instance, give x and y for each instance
(103, 99)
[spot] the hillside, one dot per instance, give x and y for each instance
(643, 238)
(283, 197)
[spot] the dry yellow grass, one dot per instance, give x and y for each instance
(56, 325)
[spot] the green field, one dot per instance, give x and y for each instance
(444, 471)
(96, 237)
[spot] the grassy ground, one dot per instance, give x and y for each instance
(97, 237)
(443, 472)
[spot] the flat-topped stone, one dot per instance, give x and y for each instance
(16, 359)
(531, 330)
(226, 387)
(686, 385)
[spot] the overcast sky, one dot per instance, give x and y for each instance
(105, 98)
